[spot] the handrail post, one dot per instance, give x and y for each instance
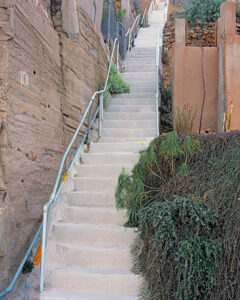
(90, 124)
(157, 78)
(109, 23)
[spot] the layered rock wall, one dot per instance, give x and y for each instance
(47, 77)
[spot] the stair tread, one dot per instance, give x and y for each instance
(89, 225)
(84, 270)
(90, 246)
(66, 295)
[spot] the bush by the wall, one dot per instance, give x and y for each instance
(188, 243)
(116, 85)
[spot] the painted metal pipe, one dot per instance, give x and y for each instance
(19, 270)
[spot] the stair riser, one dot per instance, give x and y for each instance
(118, 147)
(102, 170)
(93, 216)
(132, 108)
(100, 258)
(95, 235)
(143, 90)
(128, 124)
(140, 69)
(121, 159)
(149, 76)
(95, 283)
(95, 185)
(129, 116)
(91, 199)
(135, 96)
(126, 139)
(139, 101)
(112, 132)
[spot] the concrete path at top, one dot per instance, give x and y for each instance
(148, 36)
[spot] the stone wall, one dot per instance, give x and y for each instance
(88, 7)
(48, 73)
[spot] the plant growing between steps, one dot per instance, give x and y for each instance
(131, 190)
(188, 240)
(116, 85)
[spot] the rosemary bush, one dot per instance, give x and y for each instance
(183, 197)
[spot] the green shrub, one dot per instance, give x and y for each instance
(116, 85)
(28, 267)
(106, 98)
(203, 10)
(238, 9)
(188, 242)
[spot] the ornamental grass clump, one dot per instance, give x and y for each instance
(183, 197)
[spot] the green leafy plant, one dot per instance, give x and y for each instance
(238, 10)
(197, 261)
(184, 119)
(116, 85)
(131, 189)
(28, 267)
(188, 242)
(177, 232)
(167, 93)
(106, 98)
(121, 14)
(202, 10)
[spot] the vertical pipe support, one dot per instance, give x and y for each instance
(109, 23)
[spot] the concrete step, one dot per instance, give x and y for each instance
(133, 95)
(93, 215)
(143, 57)
(67, 295)
(146, 75)
(125, 158)
(94, 281)
(91, 234)
(88, 256)
(117, 147)
(140, 139)
(140, 69)
(140, 101)
(134, 124)
(105, 184)
(131, 108)
(124, 132)
(148, 81)
(129, 116)
(143, 85)
(152, 89)
(93, 199)
(106, 170)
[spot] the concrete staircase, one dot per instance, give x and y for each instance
(88, 253)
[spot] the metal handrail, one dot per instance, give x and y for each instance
(19, 270)
(157, 76)
(55, 193)
(58, 188)
(130, 34)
